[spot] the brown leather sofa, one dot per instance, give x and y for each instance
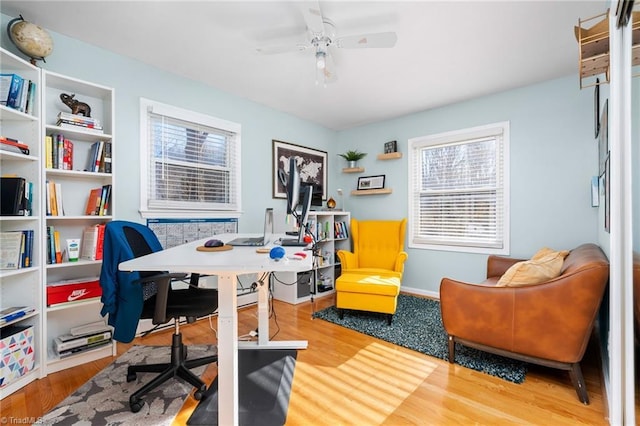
(548, 324)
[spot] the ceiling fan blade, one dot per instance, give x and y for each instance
(277, 49)
(367, 41)
(313, 17)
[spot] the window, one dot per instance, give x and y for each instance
(458, 193)
(191, 163)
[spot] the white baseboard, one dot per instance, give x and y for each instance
(421, 292)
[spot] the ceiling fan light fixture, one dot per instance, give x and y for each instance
(321, 60)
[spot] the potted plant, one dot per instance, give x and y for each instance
(352, 156)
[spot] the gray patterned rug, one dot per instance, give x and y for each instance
(417, 325)
(104, 400)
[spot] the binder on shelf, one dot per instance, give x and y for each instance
(12, 196)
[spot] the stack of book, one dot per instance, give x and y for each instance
(17, 93)
(66, 120)
(99, 158)
(83, 338)
(58, 152)
(98, 201)
(17, 249)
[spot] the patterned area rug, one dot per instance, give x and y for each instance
(417, 325)
(104, 400)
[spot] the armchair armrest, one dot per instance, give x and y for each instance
(347, 259)
(399, 265)
(498, 265)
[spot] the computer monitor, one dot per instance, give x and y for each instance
(301, 217)
(292, 186)
(316, 193)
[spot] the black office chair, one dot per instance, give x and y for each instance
(160, 302)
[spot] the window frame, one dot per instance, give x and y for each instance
(147, 106)
(456, 137)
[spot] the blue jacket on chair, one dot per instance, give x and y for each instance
(122, 297)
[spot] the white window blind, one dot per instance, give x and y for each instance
(192, 161)
(458, 192)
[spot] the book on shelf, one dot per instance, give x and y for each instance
(17, 93)
(10, 86)
(67, 341)
(105, 161)
(51, 245)
(104, 200)
(57, 247)
(48, 151)
(14, 312)
(95, 156)
(85, 348)
(92, 244)
(67, 154)
(64, 124)
(13, 145)
(55, 206)
(27, 254)
(10, 249)
(93, 202)
(79, 119)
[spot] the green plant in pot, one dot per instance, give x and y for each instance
(352, 157)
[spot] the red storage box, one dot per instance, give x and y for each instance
(73, 290)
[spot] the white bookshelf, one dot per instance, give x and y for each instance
(22, 287)
(320, 281)
(76, 184)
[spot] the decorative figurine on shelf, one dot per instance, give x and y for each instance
(76, 106)
(331, 203)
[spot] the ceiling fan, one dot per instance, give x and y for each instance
(322, 36)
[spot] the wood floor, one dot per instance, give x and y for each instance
(348, 378)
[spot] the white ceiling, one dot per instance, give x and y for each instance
(447, 51)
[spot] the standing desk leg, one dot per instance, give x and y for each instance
(227, 350)
(263, 327)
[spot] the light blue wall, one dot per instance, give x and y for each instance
(132, 79)
(553, 156)
(553, 153)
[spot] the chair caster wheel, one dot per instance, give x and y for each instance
(131, 377)
(135, 405)
(199, 394)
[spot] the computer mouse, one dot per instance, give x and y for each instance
(213, 243)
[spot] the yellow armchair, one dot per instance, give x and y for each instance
(372, 273)
(378, 248)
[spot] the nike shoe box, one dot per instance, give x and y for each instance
(17, 357)
(75, 290)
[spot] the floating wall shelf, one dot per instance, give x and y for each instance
(390, 156)
(353, 170)
(371, 191)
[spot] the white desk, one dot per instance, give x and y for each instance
(227, 265)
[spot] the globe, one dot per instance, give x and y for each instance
(30, 39)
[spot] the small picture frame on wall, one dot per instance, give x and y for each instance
(391, 146)
(371, 182)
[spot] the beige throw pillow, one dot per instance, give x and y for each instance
(545, 265)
